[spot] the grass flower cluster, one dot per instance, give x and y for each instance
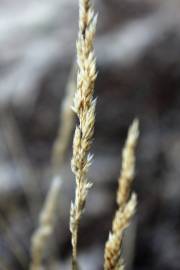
(84, 107)
(126, 203)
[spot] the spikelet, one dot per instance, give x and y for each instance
(46, 225)
(128, 164)
(126, 207)
(113, 245)
(84, 107)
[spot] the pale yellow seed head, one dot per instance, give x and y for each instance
(128, 164)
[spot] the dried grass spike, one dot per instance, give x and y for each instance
(128, 164)
(84, 107)
(112, 260)
(126, 206)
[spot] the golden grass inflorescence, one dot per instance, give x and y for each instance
(128, 164)
(84, 108)
(126, 203)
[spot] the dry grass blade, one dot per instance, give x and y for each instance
(126, 206)
(84, 107)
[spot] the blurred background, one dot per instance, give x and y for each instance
(138, 59)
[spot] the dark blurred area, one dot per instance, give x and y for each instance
(138, 59)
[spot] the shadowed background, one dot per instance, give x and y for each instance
(138, 61)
